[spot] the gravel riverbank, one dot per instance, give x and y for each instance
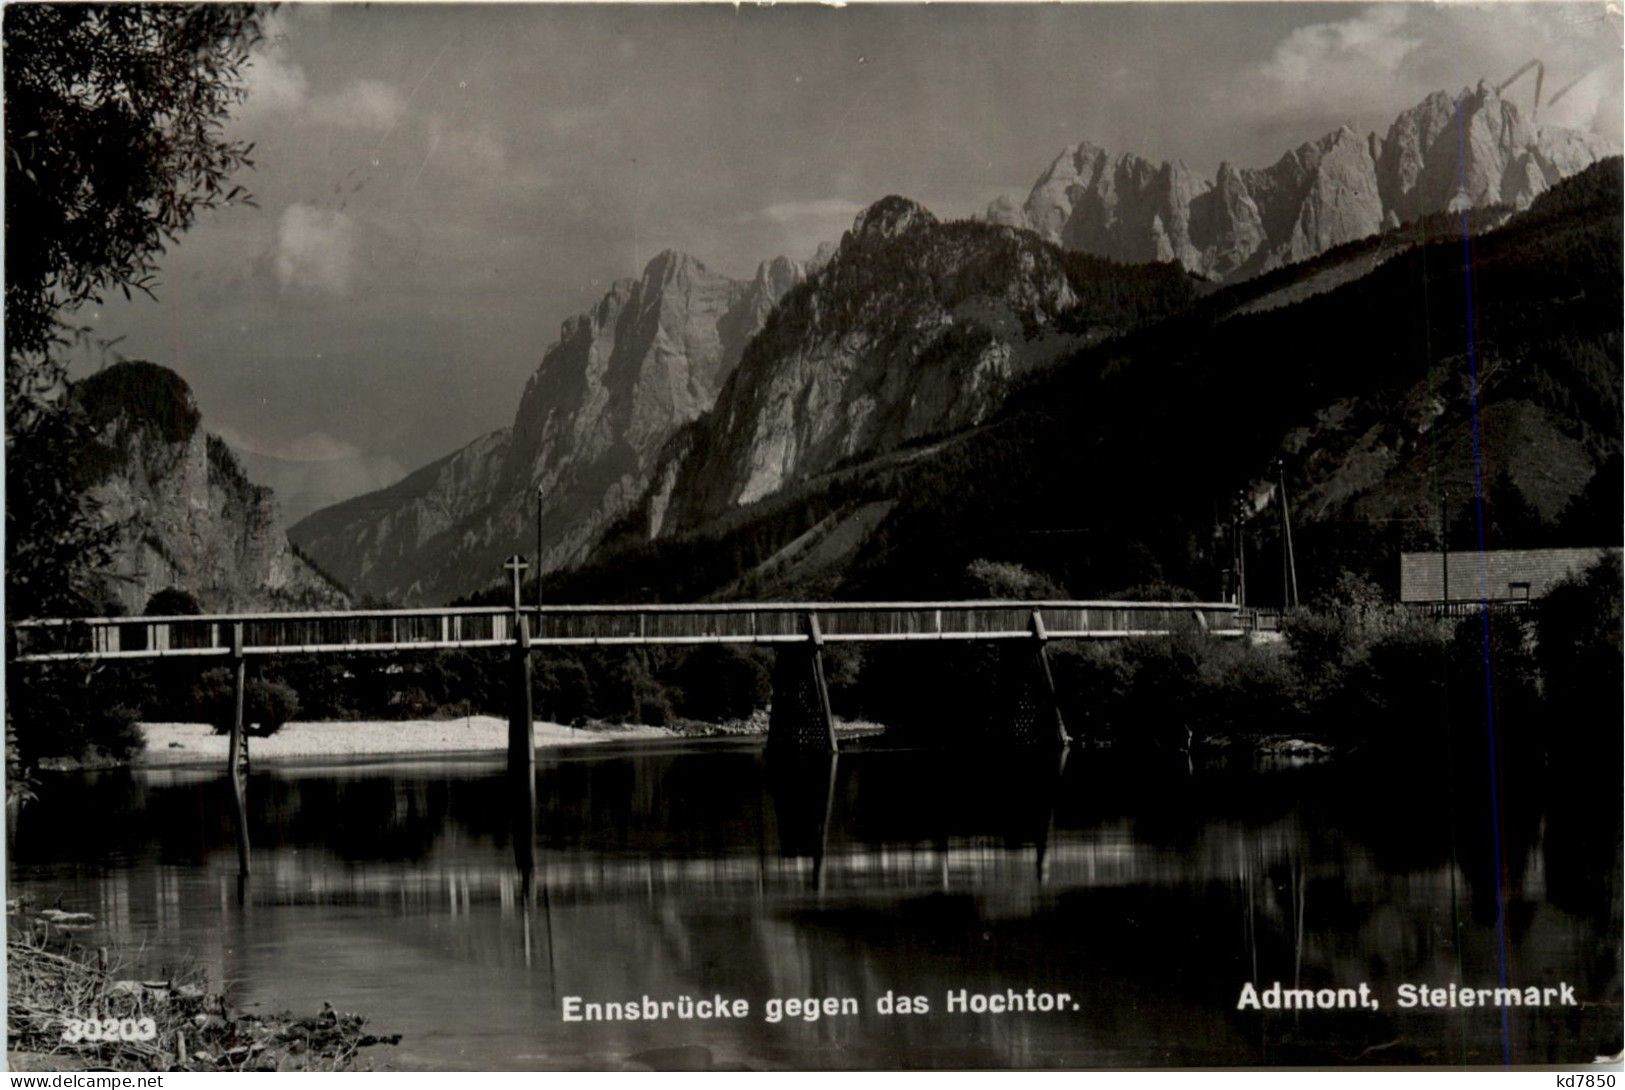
(197, 743)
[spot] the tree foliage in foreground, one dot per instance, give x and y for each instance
(114, 145)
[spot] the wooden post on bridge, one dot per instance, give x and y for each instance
(237, 750)
(1047, 710)
(522, 739)
(522, 763)
(800, 719)
(521, 721)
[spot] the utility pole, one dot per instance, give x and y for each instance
(538, 559)
(1240, 548)
(539, 494)
(1444, 546)
(1289, 563)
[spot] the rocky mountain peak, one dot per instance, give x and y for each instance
(919, 330)
(778, 275)
(821, 257)
(1471, 150)
(889, 217)
(646, 360)
(1005, 211)
(669, 266)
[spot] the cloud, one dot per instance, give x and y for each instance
(277, 86)
(786, 213)
(360, 104)
(274, 84)
(799, 228)
(312, 446)
(477, 148)
(563, 120)
(1364, 48)
(1590, 103)
(315, 250)
(310, 471)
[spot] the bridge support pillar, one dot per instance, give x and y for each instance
(800, 720)
(1037, 715)
(237, 750)
(521, 722)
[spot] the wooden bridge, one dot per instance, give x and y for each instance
(800, 717)
(799, 721)
(775, 623)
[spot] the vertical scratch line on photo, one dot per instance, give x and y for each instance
(434, 144)
(1483, 575)
(410, 95)
(463, 112)
(1441, 497)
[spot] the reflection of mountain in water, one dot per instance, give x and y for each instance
(1151, 894)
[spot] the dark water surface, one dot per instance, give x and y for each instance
(1151, 892)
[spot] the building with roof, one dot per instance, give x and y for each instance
(1494, 575)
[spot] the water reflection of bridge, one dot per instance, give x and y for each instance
(1108, 858)
(688, 870)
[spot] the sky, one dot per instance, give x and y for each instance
(438, 187)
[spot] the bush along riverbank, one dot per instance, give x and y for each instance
(1352, 672)
(75, 1009)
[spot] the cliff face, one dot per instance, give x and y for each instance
(913, 330)
(1443, 154)
(187, 517)
(622, 378)
(371, 541)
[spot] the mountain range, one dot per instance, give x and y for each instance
(686, 404)
(1472, 150)
(1382, 398)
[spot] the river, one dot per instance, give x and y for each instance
(1148, 892)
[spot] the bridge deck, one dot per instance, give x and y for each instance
(98, 638)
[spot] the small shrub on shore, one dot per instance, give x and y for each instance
(563, 690)
(1334, 633)
(1251, 691)
(718, 683)
(268, 704)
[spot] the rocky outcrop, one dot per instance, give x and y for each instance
(1444, 154)
(1476, 150)
(622, 378)
(186, 516)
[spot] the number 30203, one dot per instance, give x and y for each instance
(108, 1029)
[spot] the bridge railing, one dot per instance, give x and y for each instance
(262, 633)
(586, 625)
